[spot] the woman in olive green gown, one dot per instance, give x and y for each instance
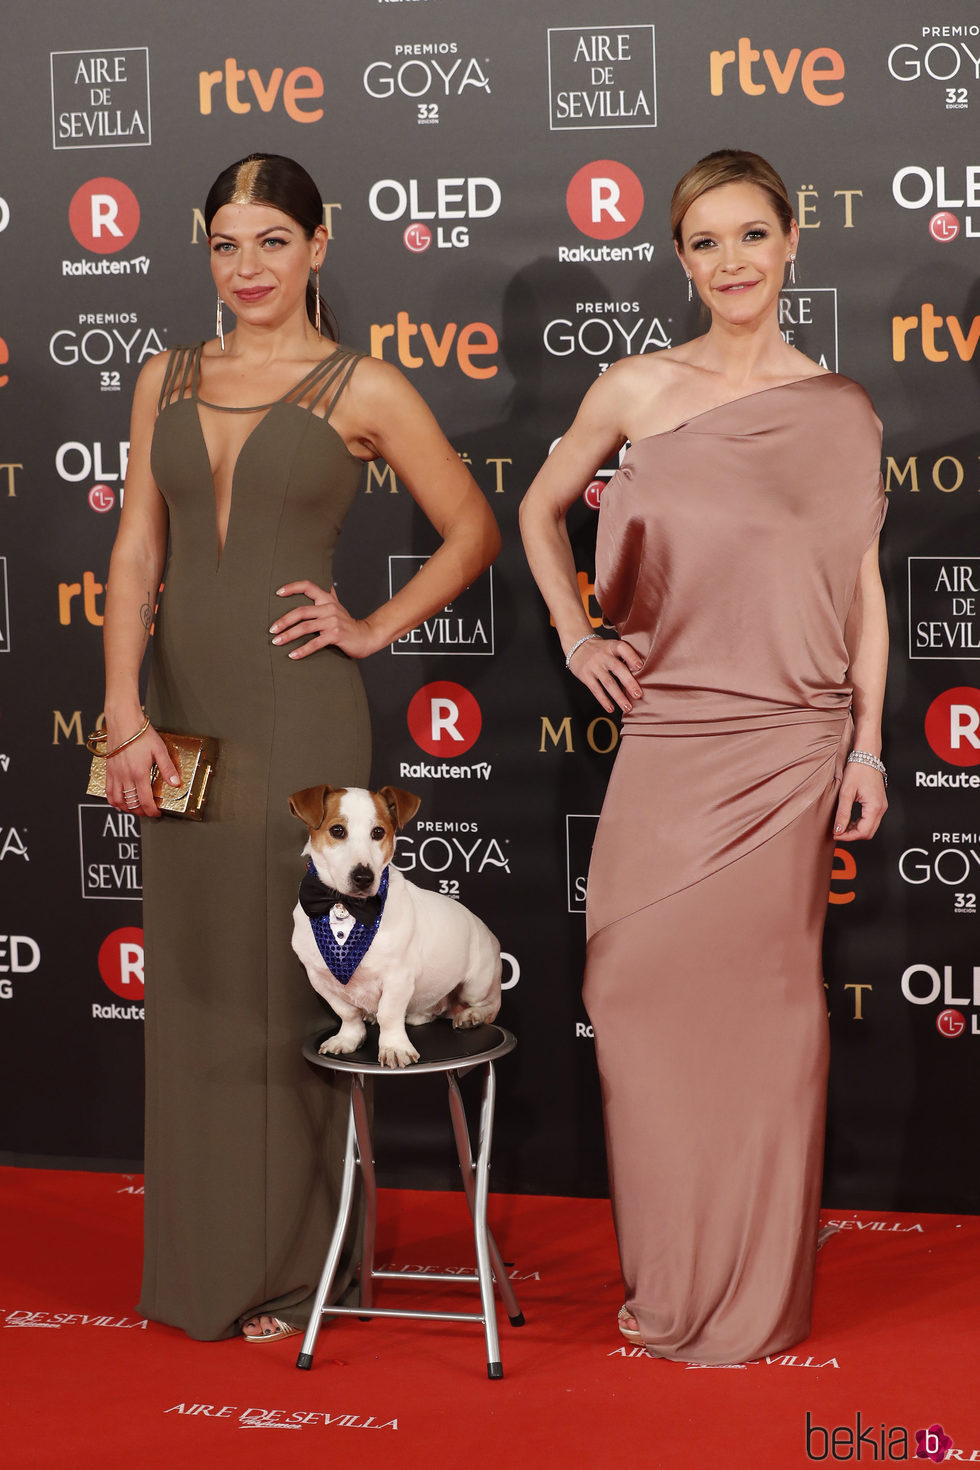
(246, 454)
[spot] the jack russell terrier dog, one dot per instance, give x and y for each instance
(374, 945)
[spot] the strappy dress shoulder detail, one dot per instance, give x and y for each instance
(334, 372)
(180, 377)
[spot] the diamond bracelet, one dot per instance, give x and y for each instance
(865, 758)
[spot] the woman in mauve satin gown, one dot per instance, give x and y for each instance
(737, 561)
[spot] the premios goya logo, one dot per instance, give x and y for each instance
(429, 75)
(101, 98)
(945, 58)
(108, 341)
(602, 77)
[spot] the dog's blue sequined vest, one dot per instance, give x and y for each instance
(343, 959)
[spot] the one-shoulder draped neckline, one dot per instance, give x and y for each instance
(731, 402)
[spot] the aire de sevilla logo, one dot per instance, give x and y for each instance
(104, 215)
(444, 719)
(953, 726)
(121, 962)
(604, 199)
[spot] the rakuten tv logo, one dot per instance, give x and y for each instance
(104, 215)
(953, 726)
(604, 199)
(444, 719)
(121, 962)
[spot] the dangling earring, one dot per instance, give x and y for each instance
(792, 270)
(690, 293)
(220, 327)
(316, 287)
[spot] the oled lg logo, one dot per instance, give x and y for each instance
(914, 187)
(19, 955)
(449, 200)
(77, 462)
(924, 985)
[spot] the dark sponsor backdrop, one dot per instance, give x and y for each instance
(496, 181)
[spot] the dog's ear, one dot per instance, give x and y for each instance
(402, 804)
(310, 805)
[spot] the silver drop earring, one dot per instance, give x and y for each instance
(316, 287)
(220, 326)
(690, 292)
(792, 270)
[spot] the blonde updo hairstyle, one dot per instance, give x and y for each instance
(728, 166)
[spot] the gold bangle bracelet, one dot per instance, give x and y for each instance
(141, 731)
(98, 735)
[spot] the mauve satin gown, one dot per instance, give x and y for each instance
(728, 553)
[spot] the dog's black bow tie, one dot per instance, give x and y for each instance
(316, 899)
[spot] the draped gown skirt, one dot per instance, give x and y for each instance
(728, 553)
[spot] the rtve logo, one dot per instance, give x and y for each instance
(104, 215)
(953, 726)
(927, 324)
(90, 591)
(604, 199)
(476, 339)
(820, 68)
(444, 718)
(299, 90)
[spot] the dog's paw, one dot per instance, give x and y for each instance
(396, 1055)
(474, 1016)
(349, 1038)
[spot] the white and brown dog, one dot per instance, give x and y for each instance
(374, 945)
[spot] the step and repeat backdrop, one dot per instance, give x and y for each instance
(496, 181)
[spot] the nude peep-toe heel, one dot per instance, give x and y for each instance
(628, 1327)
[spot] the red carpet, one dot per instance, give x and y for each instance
(895, 1340)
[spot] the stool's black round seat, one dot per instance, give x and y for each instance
(440, 1046)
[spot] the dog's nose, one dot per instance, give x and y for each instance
(362, 876)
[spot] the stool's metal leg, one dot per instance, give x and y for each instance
(464, 1150)
(494, 1365)
(365, 1153)
(305, 1359)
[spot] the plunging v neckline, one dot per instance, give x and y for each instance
(286, 399)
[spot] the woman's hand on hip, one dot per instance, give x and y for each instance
(324, 622)
(861, 786)
(607, 666)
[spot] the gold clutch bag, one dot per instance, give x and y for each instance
(193, 755)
